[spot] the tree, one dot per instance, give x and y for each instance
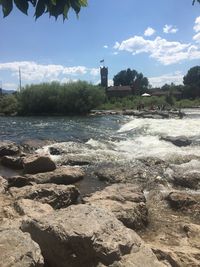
(192, 82)
(136, 80)
(53, 7)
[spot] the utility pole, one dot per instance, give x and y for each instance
(20, 80)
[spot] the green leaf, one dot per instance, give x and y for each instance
(65, 11)
(22, 5)
(40, 8)
(75, 5)
(7, 6)
(83, 2)
(54, 2)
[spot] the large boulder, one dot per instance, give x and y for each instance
(19, 181)
(38, 163)
(126, 201)
(3, 185)
(62, 175)
(181, 200)
(190, 179)
(19, 250)
(12, 162)
(32, 208)
(58, 196)
(8, 148)
(83, 235)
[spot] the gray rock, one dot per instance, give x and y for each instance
(3, 185)
(180, 200)
(58, 196)
(19, 250)
(31, 208)
(12, 162)
(38, 163)
(126, 201)
(62, 175)
(8, 148)
(83, 235)
(178, 140)
(19, 181)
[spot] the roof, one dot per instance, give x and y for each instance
(120, 88)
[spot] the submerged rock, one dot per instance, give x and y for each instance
(126, 201)
(58, 196)
(84, 235)
(178, 140)
(37, 163)
(19, 250)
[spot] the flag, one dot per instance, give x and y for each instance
(101, 61)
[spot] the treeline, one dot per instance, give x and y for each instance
(53, 99)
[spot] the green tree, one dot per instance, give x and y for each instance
(192, 82)
(8, 104)
(53, 7)
(136, 80)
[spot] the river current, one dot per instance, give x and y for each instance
(107, 137)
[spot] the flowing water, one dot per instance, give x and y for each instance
(107, 137)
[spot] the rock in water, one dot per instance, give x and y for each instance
(12, 162)
(36, 164)
(17, 249)
(58, 196)
(8, 149)
(83, 235)
(126, 201)
(178, 140)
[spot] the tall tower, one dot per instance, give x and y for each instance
(104, 76)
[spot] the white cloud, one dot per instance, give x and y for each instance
(166, 52)
(32, 71)
(197, 37)
(169, 29)
(158, 81)
(10, 86)
(95, 72)
(149, 31)
(105, 46)
(115, 53)
(197, 24)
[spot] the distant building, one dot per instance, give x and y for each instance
(120, 91)
(104, 77)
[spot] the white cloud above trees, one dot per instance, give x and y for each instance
(149, 31)
(169, 29)
(158, 81)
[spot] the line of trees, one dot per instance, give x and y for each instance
(53, 98)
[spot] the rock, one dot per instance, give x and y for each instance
(12, 162)
(32, 208)
(38, 163)
(143, 258)
(180, 200)
(3, 185)
(126, 201)
(189, 179)
(62, 175)
(82, 235)
(55, 151)
(178, 140)
(19, 250)
(19, 181)
(8, 149)
(58, 196)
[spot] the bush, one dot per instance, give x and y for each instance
(8, 104)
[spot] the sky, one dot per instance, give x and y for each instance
(160, 38)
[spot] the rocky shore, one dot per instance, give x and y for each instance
(146, 213)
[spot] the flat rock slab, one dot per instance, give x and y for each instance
(58, 196)
(32, 208)
(62, 175)
(126, 201)
(17, 249)
(38, 163)
(8, 149)
(82, 235)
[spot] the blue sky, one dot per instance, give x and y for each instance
(160, 38)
